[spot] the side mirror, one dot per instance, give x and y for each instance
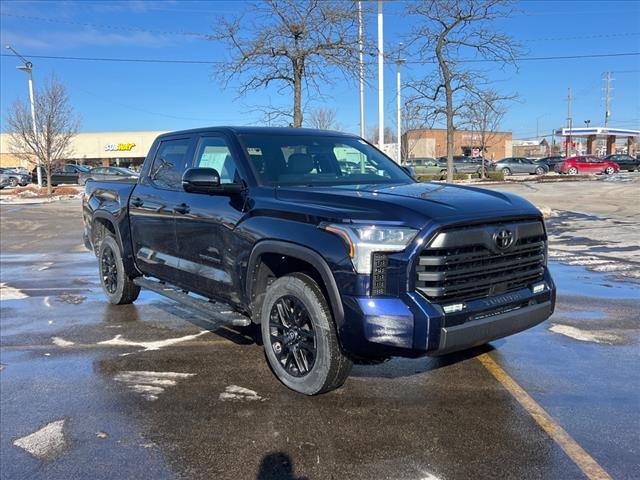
(201, 180)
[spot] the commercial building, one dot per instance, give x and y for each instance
(531, 148)
(433, 143)
(125, 149)
(600, 140)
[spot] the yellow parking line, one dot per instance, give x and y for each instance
(580, 457)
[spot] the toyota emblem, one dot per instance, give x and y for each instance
(503, 238)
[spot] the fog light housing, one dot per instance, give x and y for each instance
(539, 287)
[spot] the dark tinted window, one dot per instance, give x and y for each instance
(170, 163)
(213, 152)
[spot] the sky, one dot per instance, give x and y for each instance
(122, 96)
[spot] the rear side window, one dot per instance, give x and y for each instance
(170, 163)
(213, 152)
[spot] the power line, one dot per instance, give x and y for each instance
(218, 62)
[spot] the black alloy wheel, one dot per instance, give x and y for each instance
(293, 338)
(109, 270)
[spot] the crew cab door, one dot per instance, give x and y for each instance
(152, 209)
(210, 249)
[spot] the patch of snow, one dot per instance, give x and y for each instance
(10, 293)
(44, 443)
(150, 384)
(236, 393)
(154, 345)
(61, 342)
(595, 336)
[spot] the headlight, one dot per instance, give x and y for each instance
(363, 240)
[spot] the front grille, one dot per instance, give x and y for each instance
(464, 263)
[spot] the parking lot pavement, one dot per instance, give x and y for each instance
(90, 390)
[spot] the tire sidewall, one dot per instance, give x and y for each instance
(110, 243)
(301, 287)
(539, 171)
(506, 172)
(609, 170)
(572, 171)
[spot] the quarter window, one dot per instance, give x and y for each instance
(170, 163)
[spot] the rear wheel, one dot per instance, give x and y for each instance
(116, 284)
(609, 170)
(299, 336)
(540, 171)
(506, 172)
(572, 171)
(13, 182)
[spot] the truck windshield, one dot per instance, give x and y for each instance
(319, 160)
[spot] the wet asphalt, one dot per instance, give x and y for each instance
(429, 418)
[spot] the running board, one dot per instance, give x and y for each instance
(218, 312)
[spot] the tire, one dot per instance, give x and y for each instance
(13, 182)
(609, 171)
(540, 171)
(572, 171)
(506, 172)
(116, 284)
(285, 347)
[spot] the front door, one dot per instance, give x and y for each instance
(152, 209)
(207, 241)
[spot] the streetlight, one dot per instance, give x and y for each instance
(587, 122)
(399, 61)
(28, 68)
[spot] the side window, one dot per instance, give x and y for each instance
(213, 152)
(170, 163)
(68, 169)
(98, 170)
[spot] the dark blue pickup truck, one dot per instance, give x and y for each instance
(335, 265)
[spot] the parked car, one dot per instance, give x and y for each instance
(4, 180)
(16, 178)
(512, 165)
(19, 170)
(332, 266)
(464, 164)
(66, 174)
(586, 164)
(106, 173)
(550, 161)
(625, 162)
(426, 166)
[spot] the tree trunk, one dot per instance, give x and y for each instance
(297, 95)
(446, 80)
(49, 187)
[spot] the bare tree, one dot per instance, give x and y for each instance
(294, 44)
(484, 117)
(450, 33)
(56, 124)
(389, 135)
(322, 118)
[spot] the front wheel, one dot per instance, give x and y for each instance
(13, 182)
(609, 170)
(572, 171)
(540, 171)
(506, 172)
(299, 336)
(116, 284)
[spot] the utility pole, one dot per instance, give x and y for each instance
(28, 68)
(569, 124)
(607, 98)
(380, 78)
(361, 60)
(399, 62)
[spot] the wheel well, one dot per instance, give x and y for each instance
(101, 227)
(272, 266)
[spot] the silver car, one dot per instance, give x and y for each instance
(512, 165)
(106, 173)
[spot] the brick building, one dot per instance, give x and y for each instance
(433, 143)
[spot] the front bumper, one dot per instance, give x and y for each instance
(411, 326)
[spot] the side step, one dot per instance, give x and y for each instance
(218, 312)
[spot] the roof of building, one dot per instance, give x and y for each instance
(585, 131)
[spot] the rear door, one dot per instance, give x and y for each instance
(152, 208)
(208, 245)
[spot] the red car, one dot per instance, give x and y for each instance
(586, 164)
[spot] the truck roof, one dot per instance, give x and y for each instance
(262, 130)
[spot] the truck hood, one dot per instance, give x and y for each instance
(413, 204)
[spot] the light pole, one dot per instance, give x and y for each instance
(587, 122)
(399, 62)
(361, 61)
(380, 78)
(28, 68)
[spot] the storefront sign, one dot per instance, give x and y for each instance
(119, 147)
